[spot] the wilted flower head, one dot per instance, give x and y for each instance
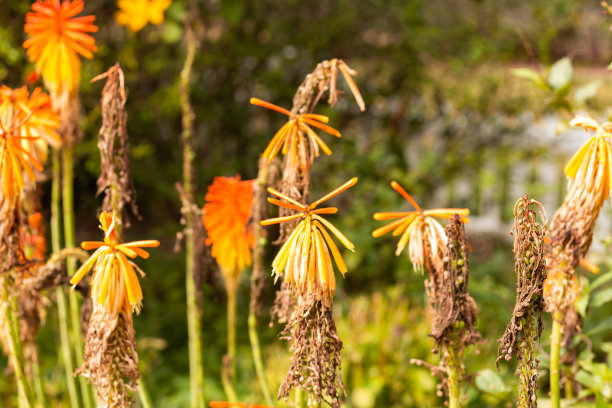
(137, 13)
(115, 285)
(304, 259)
(590, 167)
(39, 120)
(422, 233)
(226, 219)
(294, 134)
(56, 38)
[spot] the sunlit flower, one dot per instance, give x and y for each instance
(422, 233)
(14, 159)
(137, 13)
(56, 38)
(39, 120)
(226, 219)
(292, 136)
(590, 167)
(115, 285)
(304, 259)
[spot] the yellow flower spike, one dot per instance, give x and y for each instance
(292, 135)
(304, 259)
(115, 285)
(591, 166)
(422, 233)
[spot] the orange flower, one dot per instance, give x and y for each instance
(114, 285)
(304, 259)
(591, 166)
(423, 234)
(56, 38)
(33, 238)
(293, 135)
(226, 217)
(14, 159)
(39, 120)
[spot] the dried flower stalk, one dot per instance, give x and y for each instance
(522, 334)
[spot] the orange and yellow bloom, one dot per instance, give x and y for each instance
(304, 260)
(14, 158)
(292, 136)
(39, 120)
(137, 13)
(422, 233)
(115, 285)
(591, 166)
(56, 39)
(226, 219)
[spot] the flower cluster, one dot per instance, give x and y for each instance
(422, 233)
(292, 136)
(304, 259)
(56, 39)
(115, 285)
(226, 216)
(135, 14)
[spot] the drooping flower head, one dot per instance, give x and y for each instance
(137, 13)
(226, 219)
(304, 260)
(114, 285)
(422, 233)
(297, 136)
(591, 166)
(40, 121)
(14, 158)
(56, 39)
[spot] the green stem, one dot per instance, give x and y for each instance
(196, 367)
(41, 401)
(14, 349)
(256, 349)
(69, 240)
(228, 371)
(299, 398)
(257, 275)
(62, 309)
(143, 394)
(231, 329)
(555, 354)
(454, 383)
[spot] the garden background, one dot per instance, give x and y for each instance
(445, 117)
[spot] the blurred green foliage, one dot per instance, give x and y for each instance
(442, 106)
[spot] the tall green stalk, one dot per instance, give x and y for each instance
(62, 309)
(14, 349)
(196, 367)
(555, 354)
(454, 377)
(69, 240)
(228, 372)
(258, 274)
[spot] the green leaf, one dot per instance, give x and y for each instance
(600, 280)
(490, 382)
(602, 297)
(560, 75)
(531, 75)
(583, 298)
(603, 326)
(586, 92)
